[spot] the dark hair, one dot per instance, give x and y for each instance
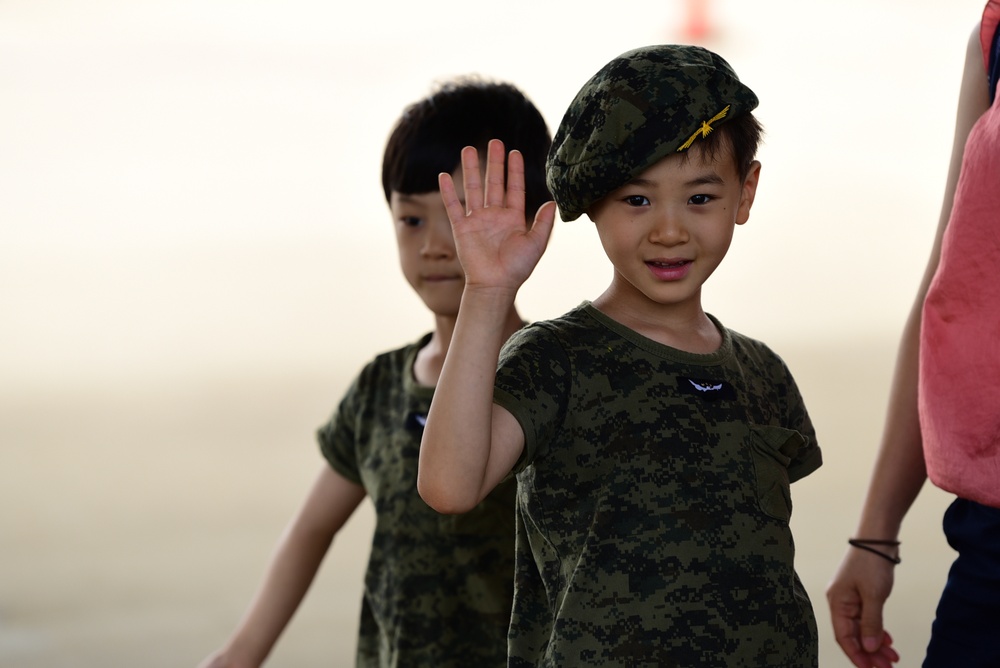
(743, 135)
(429, 136)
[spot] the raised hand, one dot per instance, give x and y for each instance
(496, 245)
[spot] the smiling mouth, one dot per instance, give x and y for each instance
(667, 264)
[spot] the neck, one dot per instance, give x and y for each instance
(430, 359)
(684, 327)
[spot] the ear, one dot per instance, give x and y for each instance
(749, 191)
(594, 210)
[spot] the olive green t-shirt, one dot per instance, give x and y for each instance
(653, 500)
(438, 588)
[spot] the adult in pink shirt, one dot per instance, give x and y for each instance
(943, 419)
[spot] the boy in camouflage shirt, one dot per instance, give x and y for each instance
(653, 447)
(438, 589)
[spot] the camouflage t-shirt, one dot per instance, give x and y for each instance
(438, 587)
(653, 500)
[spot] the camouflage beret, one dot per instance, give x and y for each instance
(639, 108)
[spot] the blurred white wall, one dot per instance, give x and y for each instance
(194, 186)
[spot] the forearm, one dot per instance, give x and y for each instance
(289, 576)
(899, 471)
(456, 447)
(292, 568)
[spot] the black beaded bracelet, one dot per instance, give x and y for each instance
(866, 544)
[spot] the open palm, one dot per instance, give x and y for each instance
(497, 247)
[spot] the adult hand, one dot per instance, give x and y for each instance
(856, 596)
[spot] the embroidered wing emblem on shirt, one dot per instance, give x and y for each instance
(706, 389)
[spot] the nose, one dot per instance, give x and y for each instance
(669, 230)
(438, 240)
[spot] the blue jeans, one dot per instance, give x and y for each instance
(966, 630)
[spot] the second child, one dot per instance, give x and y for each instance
(437, 589)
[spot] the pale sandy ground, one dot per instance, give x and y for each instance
(137, 522)
(196, 258)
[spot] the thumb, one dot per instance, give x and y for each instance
(871, 626)
(544, 221)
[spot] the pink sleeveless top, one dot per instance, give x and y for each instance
(959, 387)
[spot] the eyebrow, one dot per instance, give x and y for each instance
(403, 198)
(708, 178)
(406, 198)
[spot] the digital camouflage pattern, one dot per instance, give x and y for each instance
(654, 500)
(438, 588)
(639, 108)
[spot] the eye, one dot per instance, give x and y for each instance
(636, 200)
(411, 221)
(699, 200)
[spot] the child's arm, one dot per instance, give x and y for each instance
(469, 444)
(300, 551)
(863, 582)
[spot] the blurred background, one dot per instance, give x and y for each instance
(196, 257)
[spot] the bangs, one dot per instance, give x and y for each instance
(418, 171)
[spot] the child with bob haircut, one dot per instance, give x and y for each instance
(438, 589)
(652, 446)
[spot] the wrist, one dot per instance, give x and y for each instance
(878, 525)
(488, 298)
(885, 548)
(243, 652)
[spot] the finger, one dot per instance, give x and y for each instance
(471, 180)
(453, 205)
(845, 631)
(515, 181)
(851, 647)
(494, 173)
(883, 658)
(541, 228)
(886, 651)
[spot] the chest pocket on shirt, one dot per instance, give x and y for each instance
(773, 449)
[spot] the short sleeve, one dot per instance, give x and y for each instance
(808, 456)
(533, 382)
(337, 437)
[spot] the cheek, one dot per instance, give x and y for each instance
(623, 240)
(608, 244)
(610, 234)
(408, 255)
(721, 239)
